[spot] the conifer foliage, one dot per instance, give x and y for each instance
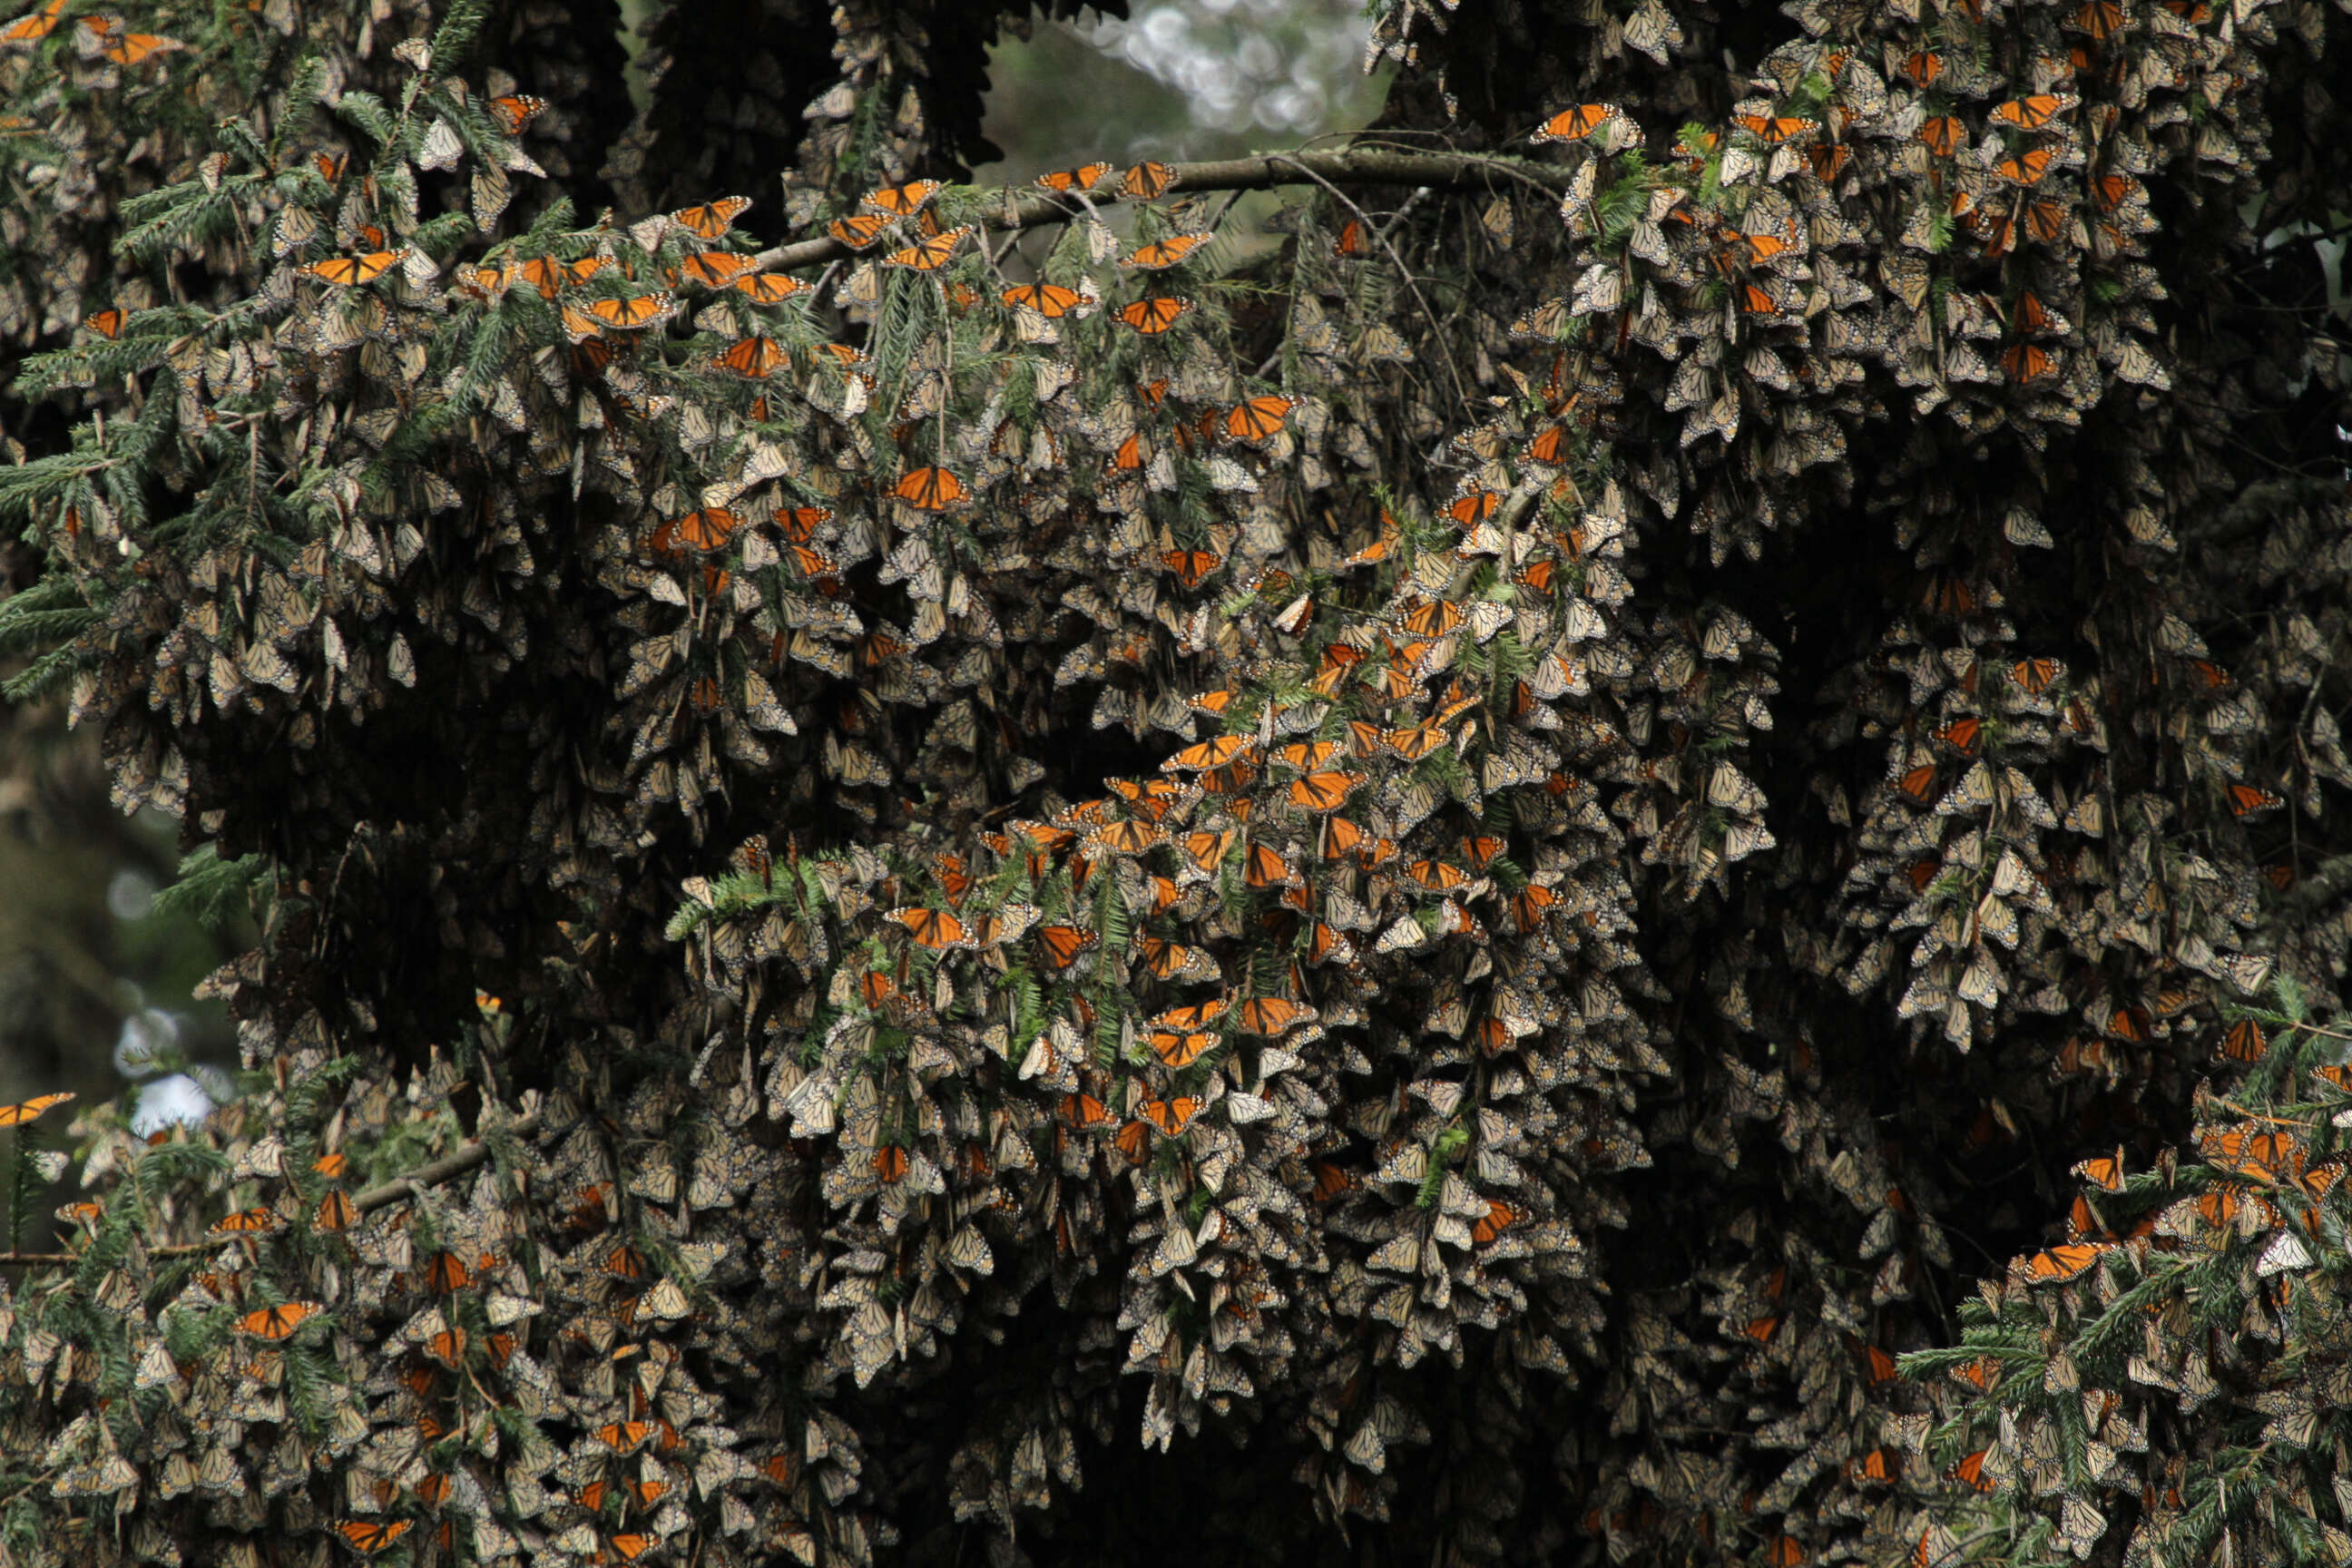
(1633, 852)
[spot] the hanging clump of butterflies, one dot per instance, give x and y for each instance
(1204, 827)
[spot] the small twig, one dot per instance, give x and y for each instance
(410, 1185)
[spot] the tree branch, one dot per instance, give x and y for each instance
(410, 1185)
(1374, 167)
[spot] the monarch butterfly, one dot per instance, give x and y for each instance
(447, 1346)
(2099, 18)
(514, 111)
(446, 1275)
(1206, 848)
(1756, 302)
(107, 323)
(1923, 67)
(1165, 959)
(1786, 1552)
(1575, 125)
(1127, 837)
(1433, 617)
(635, 314)
(1916, 784)
(754, 356)
(2245, 1042)
(2104, 1172)
(1500, 1217)
(1473, 507)
(1145, 181)
(1191, 566)
(35, 26)
(890, 1163)
(1323, 791)
(1192, 1015)
(933, 929)
(1979, 1374)
(859, 232)
(1349, 241)
(929, 489)
(1970, 1472)
(1961, 735)
(548, 275)
(2057, 1265)
(1272, 1016)
(275, 1322)
(1262, 867)
(25, 1110)
(1048, 300)
(2031, 114)
(2027, 168)
(1257, 418)
(1772, 130)
(715, 268)
(1308, 755)
(1214, 753)
(1437, 875)
(1181, 1050)
(369, 1536)
(1162, 253)
(931, 254)
(2245, 800)
(768, 287)
(624, 1437)
(131, 48)
(1170, 1116)
(903, 201)
(1082, 1109)
(351, 270)
(336, 1212)
(1153, 316)
(712, 219)
(2036, 676)
(247, 1221)
(706, 528)
(1943, 135)
(1084, 178)
(1760, 1329)
(2113, 190)
(1528, 904)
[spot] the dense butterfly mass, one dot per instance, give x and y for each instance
(1627, 860)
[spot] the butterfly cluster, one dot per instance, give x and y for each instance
(1481, 854)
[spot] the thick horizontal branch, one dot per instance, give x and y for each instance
(410, 1185)
(1368, 166)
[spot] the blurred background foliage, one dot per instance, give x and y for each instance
(96, 976)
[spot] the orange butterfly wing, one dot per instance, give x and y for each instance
(1162, 253)
(349, 271)
(1154, 316)
(1576, 124)
(34, 27)
(904, 201)
(370, 1536)
(15, 1115)
(1259, 417)
(859, 232)
(930, 489)
(712, 219)
(1048, 300)
(1146, 180)
(931, 254)
(275, 1322)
